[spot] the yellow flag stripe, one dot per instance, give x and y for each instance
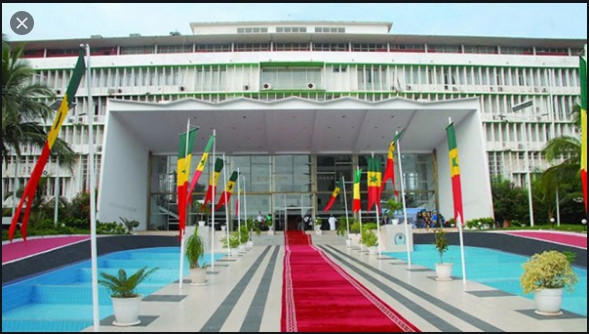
(59, 119)
(335, 192)
(203, 161)
(230, 186)
(454, 163)
(374, 179)
(356, 190)
(391, 151)
(183, 166)
(216, 179)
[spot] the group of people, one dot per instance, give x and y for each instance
(429, 219)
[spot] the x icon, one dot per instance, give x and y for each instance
(22, 23)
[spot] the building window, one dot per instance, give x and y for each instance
(252, 47)
(517, 51)
(369, 47)
(174, 48)
(330, 30)
(444, 48)
(292, 47)
(137, 50)
(252, 30)
(408, 48)
(213, 48)
(552, 51)
(481, 49)
(291, 78)
(291, 30)
(332, 47)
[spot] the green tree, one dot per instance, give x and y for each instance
(510, 202)
(24, 107)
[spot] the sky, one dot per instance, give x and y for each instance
(63, 21)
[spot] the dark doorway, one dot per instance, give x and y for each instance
(294, 222)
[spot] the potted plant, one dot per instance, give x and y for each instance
(232, 244)
(244, 237)
(195, 252)
(318, 224)
(370, 240)
(129, 224)
(443, 270)
(250, 228)
(393, 207)
(125, 300)
(547, 275)
(204, 211)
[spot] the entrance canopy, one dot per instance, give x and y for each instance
(136, 130)
(294, 125)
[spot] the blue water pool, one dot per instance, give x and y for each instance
(496, 269)
(61, 300)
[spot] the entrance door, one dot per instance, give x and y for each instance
(294, 220)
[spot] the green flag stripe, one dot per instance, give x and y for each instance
(357, 176)
(583, 75)
(182, 147)
(218, 165)
(233, 177)
(72, 87)
(374, 164)
(210, 144)
(451, 137)
(398, 136)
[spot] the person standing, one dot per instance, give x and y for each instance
(332, 223)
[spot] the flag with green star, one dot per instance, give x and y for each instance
(455, 174)
(226, 196)
(374, 182)
(201, 166)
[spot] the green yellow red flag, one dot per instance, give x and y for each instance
(455, 174)
(336, 192)
(60, 116)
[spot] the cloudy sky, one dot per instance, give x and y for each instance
(59, 21)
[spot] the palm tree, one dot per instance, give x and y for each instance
(23, 108)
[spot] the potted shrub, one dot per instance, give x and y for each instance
(233, 244)
(370, 240)
(125, 300)
(443, 270)
(250, 228)
(393, 207)
(244, 238)
(547, 275)
(130, 224)
(195, 251)
(318, 225)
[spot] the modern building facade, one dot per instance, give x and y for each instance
(298, 105)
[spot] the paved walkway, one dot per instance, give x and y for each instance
(563, 238)
(19, 249)
(246, 296)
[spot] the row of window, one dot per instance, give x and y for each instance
(288, 30)
(325, 47)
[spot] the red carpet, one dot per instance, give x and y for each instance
(319, 296)
(19, 249)
(563, 238)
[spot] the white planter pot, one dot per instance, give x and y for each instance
(242, 249)
(395, 222)
(250, 245)
(270, 232)
(372, 250)
(444, 271)
(318, 232)
(198, 277)
(201, 224)
(349, 243)
(223, 228)
(126, 311)
(548, 301)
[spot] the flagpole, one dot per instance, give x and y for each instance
(346, 207)
(378, 223)
(182, 234)
(226, 204)
(213, 201)
(404, 202)
(360, 217)
(57, 189)
(245, 203)
(93, 242)
(459, 223)
(238, 208)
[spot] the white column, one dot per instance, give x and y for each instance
(213, 202)
(226, 204)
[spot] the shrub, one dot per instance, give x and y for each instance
(123, 286)
(110, 228)
(479, 223)
(130, 224)
(441, 243)
(369, 238)
(549, 270)
(194, 249)
(233, 241)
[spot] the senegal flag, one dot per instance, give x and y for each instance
(33, 182)
(336, 191)
(374, 182)
(226, 196)
(455, 173)
(213, 181)
(357, 202)
(389, 173)
(201, 166)
(184, 158)
(583, 75)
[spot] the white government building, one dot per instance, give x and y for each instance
(297, 105)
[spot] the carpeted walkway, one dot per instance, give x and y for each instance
(563, 238)
(19, 249)
(319, 296)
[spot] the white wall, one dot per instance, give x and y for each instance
(476, 184)
(124, 176)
